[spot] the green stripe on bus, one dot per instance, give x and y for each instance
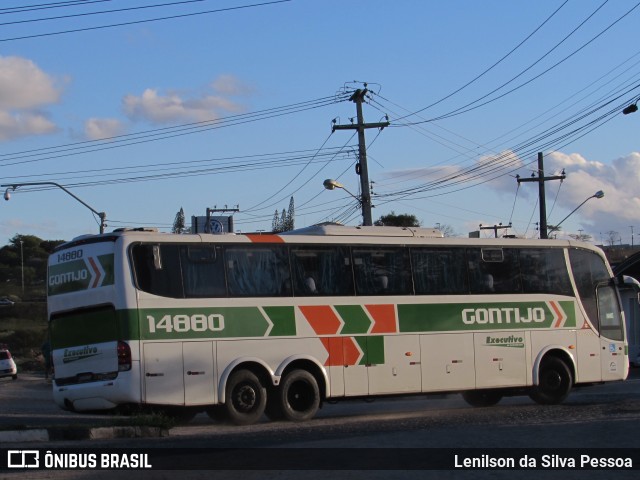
(354, 318)
(81, 274)
(94, 326)
(483, 316)
(283, 319)
(373, 348)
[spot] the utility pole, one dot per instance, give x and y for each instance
(209, 228)
(495, 228)
(361, 167)
(541, 195)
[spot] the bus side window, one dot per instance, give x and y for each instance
(165, 281)
(382, 271)
(321, 271)
(259, 271)
(494, 270)
(588, 270)
(544, 271)
(439, 271)
(203, 271)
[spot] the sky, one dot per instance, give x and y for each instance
(142, 108)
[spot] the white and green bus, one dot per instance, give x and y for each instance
(245, 325)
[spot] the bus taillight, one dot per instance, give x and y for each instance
(124, 357)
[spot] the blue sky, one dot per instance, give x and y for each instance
(234, 107)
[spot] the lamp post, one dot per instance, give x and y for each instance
(13, 186)
(631, 108)
(331, 184)
(598, 194)
(22, 265)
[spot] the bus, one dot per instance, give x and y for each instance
(245, 325)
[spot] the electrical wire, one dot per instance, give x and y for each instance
(137, 22)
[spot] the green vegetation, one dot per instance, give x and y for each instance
(23, 271)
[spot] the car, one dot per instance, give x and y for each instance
(7, 365)
(6, 302)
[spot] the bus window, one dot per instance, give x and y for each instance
(321, 271)
(157, 269)
(494, 270)
(439, 271)
(609, 313)
(544, 270)
(382, 271)
(203, 271)
(257, 271)
(588, 271)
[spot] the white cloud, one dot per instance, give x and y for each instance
(230, 85)
(619, 180)
(101, 128)
(24, 90)
(162, 108)
(24, 124)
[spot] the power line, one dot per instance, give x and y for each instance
(137, 22)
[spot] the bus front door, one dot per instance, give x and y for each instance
(614, 358)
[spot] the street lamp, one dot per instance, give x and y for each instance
(630, 109)
(331, 184)
(13, 186)
(598, 194)
(22, 264)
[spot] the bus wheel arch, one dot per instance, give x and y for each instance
(554, 377)
(300, 394)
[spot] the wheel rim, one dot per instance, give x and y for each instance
(552, 381)
(299, 396)
(245, 398)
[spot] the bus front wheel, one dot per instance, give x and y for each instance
(554, 382)
(299, 396)
(246, 398)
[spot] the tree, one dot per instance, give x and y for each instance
(613, 237)
(401, 220)
(286, 221)
(447, 230)
(178, 222)
(582, 237)
(291, 213)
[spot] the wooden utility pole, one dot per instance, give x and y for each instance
(541, 194)
(361, 167)
(495, 228)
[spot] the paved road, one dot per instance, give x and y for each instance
(596, 417)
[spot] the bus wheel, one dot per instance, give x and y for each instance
(554, 383)
(246, 398)
(482, 398)
(299, 396)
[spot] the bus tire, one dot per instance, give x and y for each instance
(246, 398)
(482, 398)
(299, 396)
(554, 382)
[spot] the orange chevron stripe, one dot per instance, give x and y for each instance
(384, 318)
(255, 238)
(322, 319)
(96, 270)
(559, 313)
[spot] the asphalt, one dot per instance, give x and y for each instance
(24, 434)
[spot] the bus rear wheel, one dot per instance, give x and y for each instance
(246, 398)
(299, 396)
(482, 398)
(554, 382)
